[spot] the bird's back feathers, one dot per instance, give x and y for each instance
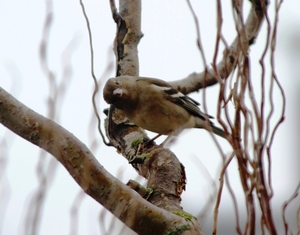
(180, 99)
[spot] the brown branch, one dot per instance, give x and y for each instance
(262, 187)
(275, 79)
(241, 154)
(285, 205)
(219, 194)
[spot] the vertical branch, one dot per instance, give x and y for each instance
(199, 43)
(242, 156)
(128, 35)
(257, 179)
(222, 83)
(275, 80)
(165, 174)
(285, 205)
(265, 190)
(219, 194)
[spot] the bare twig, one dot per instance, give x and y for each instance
(199, 44)
(285, 205)
(274, 79)
(93, 73)
(219, 194)
(235, 204)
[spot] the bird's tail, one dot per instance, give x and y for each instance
(218, 131)
(209, 126)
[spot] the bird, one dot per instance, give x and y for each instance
(154, 105)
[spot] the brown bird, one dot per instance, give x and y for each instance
(155, 105)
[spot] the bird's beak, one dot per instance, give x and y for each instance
(118, 92)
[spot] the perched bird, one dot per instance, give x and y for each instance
(155, 105)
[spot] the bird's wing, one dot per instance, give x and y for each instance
(178, 98)
(186, 102)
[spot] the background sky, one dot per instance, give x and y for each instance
(168, 51)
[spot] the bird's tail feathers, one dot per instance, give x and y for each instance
(218, 131)
(209, 126)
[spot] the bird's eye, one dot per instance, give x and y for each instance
(117, 83)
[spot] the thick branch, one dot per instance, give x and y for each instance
(119, 199)
(127, 37)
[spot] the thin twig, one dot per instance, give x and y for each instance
(219, 194)
(274, 78)
(93, 73)
(285, 205)
(235, 204)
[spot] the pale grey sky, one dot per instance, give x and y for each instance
(168, 50)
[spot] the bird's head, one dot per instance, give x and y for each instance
(119, 91)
